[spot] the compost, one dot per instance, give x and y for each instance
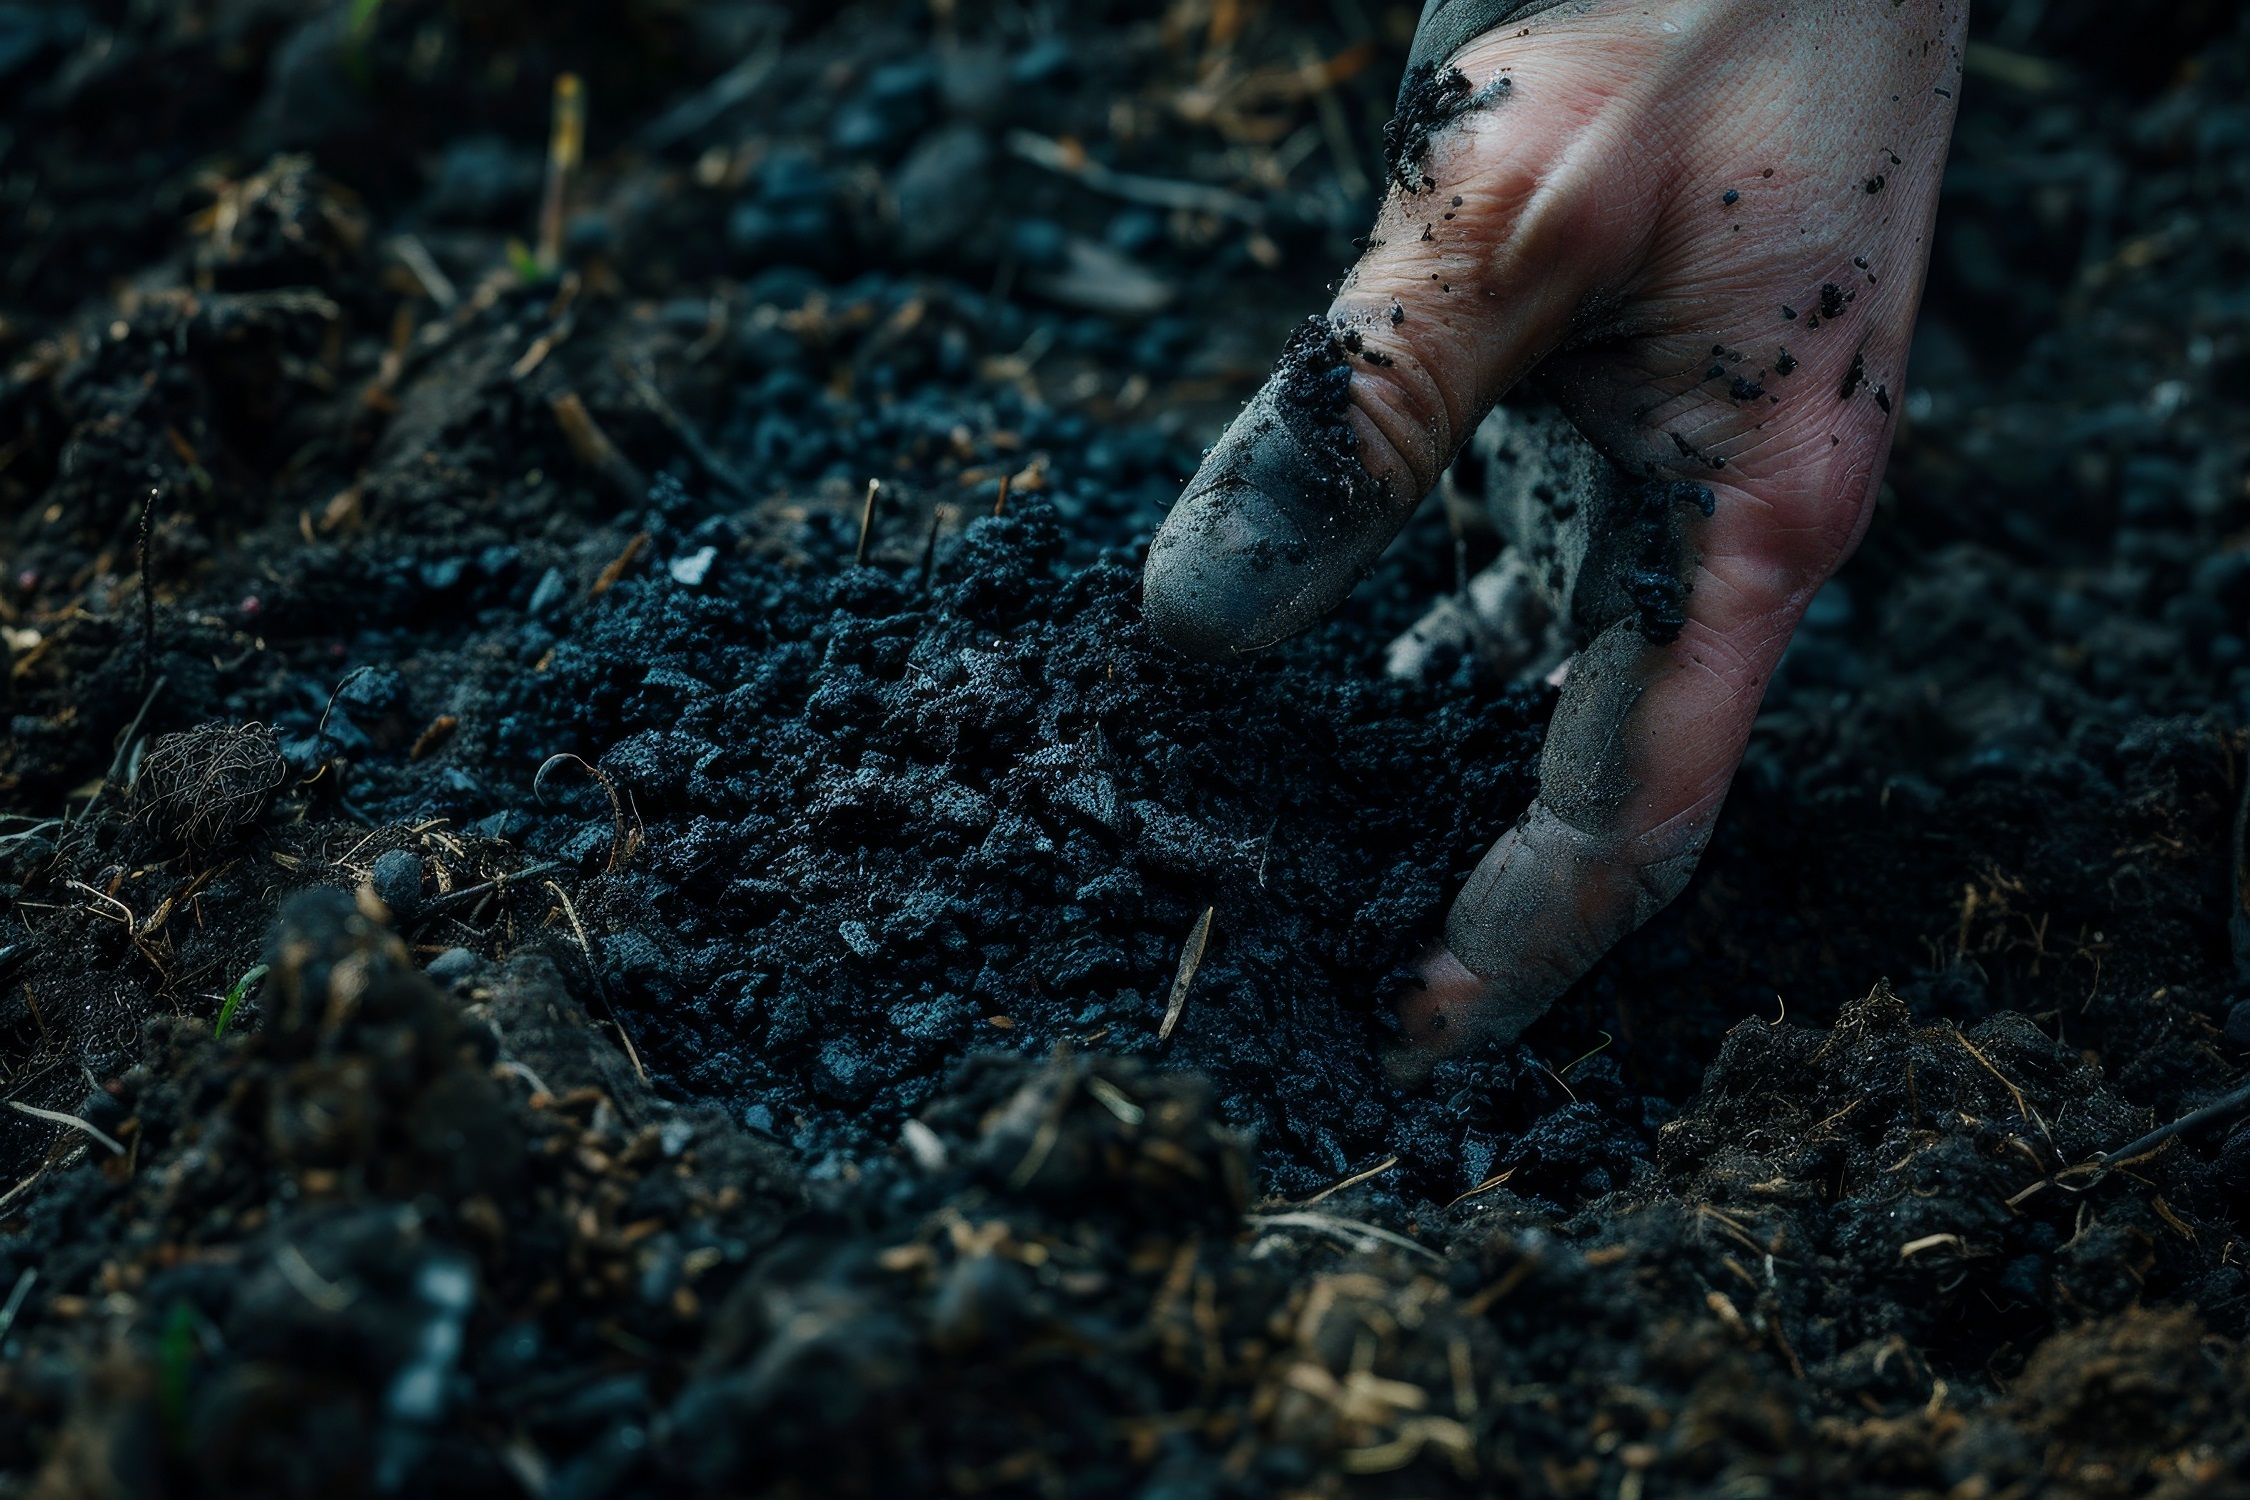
(609, 895)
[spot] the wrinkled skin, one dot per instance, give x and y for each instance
(1593, 248)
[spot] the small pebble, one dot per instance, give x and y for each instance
(452, 966)
(397, 878)
(695, 567)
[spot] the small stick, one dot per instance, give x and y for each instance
(1607, 1039)
(2024, 1111)
(72, 1121)
(1043, 1141)
(2217, 1109)
(929, 550)
(1000, 506)
(584, 943)
(25, 1186)
(415, 256)
(1485, 1186)
(148, 589)
(1350, 1182)
(1191, 958)
(866, 522)
(676, 421)
(631, 1051)
(499, 883)
(593, 966)
(15, 1299)
(511, 1066)
(618, 849)
(1348, 1230)
(566, 143)
(615, 569)
(594, 447)
(124, 749)
(1551, 1073)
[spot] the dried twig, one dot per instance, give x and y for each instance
(415, 256)
(594, 448)
(1044, 1138)
(566, 144)
(594, 967)
(618, 848)
(722, 473)
(59, 1118)
(929, 550)
(1354, 1232)
(1350, 1182)
(497, 883)
(1485, 1186)
(866, 521)
(2148, 1145)
(2023, 1110)
(721, 94)
(23, 1187)
(615, 568)
(15, 1299)
(1155, 192)
(124, 749)
(148, 588)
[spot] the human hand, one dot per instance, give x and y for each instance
(1701, 226)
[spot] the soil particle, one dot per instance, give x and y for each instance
(1831, 300)
(1312, 390)
(1854, 378)
(1655, 580)
(1433, 97)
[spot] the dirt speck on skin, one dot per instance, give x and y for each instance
(1312, 385)
(1433, 98)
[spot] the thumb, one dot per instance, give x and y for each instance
(1490, 237)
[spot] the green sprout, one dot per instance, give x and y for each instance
(236, 996)
(526, 265)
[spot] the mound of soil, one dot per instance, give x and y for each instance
(561, 943)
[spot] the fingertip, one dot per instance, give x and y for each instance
(1269, 536)
(1438, 1013)
(1224, 571)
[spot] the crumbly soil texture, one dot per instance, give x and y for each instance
(607, 893)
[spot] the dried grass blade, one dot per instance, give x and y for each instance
(1191, 958)
(1348, 1230)
(72, 1121)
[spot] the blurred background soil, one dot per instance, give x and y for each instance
(558, 943)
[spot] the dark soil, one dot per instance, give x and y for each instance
(691, 945)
